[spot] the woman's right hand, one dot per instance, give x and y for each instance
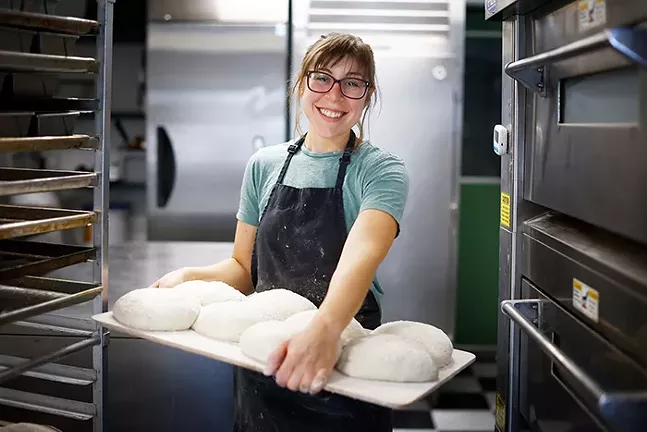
(172, 279)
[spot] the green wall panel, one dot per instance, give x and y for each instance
(478, 265)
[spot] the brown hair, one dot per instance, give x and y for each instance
(329, 50)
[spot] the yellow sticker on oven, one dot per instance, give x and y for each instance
(505, 210)
(586, 300)
(591, 14)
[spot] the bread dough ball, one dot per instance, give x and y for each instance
(261, 339)
(157, 309)
(387, 357)
(281, 303)
(228, 320)
(433, 339)
(352, 331)
(211, 292)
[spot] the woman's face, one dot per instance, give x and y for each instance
(332, 114)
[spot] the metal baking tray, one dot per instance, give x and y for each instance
(15, 124)
(29, 62)
(20, 258)
(29, 85)
(40, 6)
(29, 124)
(23, 300)
(20, 221)
(48, 22)
(46, 105)
(48, 143)
(15, 181)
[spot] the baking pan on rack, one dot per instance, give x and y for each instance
(30, 296)
(39, 6)
(47, 22)
(15, 124)
(29, 144)
(20, 258)
(14, 181)
(47, 105)
(14, 84)
(11, 61)
(54, 124)
(21, 221)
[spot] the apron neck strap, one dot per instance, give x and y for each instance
(343, 161)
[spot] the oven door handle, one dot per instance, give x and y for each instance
(628, 41)
(625, 410)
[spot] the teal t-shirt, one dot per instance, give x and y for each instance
(375, 179)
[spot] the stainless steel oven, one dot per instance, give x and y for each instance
(572, 348)
(586, 139)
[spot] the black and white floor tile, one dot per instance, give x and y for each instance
(464, 404)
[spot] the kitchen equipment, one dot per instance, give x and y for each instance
(36, 49)
(389, 394)
(573, 272)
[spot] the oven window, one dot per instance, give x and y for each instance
(609, 97)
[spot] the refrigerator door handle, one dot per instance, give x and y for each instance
(165, 167)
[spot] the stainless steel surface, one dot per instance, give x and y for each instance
(584, 366)
(505, 9)
(18, 221)
(47, 404)
(572, 162)
(196, 158)
(51, 372)
(24, 312)
(50, 22)
(40, 120)
(27, 62)
(28, 365)
(77, 141)
(19, 180)
(201, 11)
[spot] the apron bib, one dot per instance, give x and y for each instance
(299, 241)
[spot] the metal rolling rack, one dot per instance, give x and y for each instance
(35, 51)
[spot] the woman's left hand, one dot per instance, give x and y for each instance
(304, 362)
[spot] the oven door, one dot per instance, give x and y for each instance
(586, 131)
(570, 379)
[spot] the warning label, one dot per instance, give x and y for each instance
(505, 210)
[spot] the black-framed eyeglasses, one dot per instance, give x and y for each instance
(352, 88)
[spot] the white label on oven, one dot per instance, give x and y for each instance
(592, 13)
(586, 299)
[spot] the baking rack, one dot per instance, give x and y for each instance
(36, 50)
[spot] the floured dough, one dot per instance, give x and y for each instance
(211, 292)
(387, 357)
(433, 339)
(352, 331)
(261, 339)
(157, 309)
(281, 303)
(228, 320)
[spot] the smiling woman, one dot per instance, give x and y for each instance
(317, 216)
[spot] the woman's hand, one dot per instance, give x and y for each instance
(171, 279)
(304, 363)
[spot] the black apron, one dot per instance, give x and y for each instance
(299, 241)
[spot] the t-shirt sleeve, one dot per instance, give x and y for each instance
(386, 187)
(248, 209)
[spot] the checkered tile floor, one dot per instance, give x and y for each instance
(464, 404)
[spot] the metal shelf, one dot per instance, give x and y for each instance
(21, 180)
(20, 221)
(33, 120)
(43, 143)
(12, 61)
(54, 23)
(20, 303)
(28, 258)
